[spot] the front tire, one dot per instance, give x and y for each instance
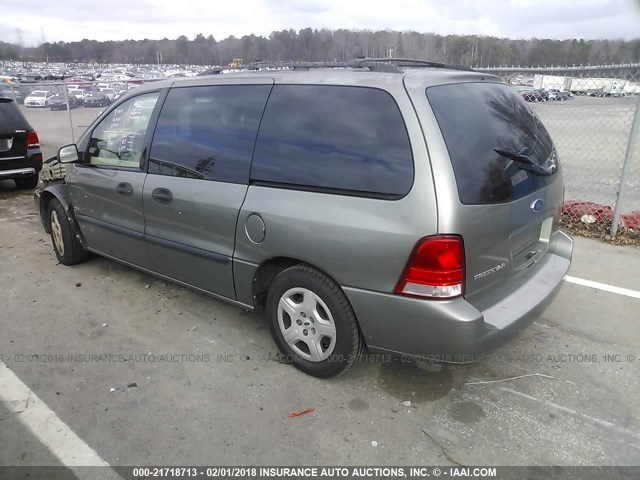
(27, 183)
(65, 242)
(312, 322)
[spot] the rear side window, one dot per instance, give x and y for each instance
(475, 120)
(334, 137)
(208, 133)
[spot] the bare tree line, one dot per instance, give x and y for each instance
(328, 45)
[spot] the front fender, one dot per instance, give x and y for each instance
(60, 192)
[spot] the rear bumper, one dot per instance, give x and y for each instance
(17, 167)
(456, 331)
(17, 173)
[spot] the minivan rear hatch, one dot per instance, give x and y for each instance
(509, 189)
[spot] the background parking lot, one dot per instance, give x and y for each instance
(146, 372)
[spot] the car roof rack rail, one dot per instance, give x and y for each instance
(404, 63)
(396, 65)
(305, 66)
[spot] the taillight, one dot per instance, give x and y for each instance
(435, 269)
(32, 139)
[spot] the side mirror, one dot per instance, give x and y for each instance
(68, 154)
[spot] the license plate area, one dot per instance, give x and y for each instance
(530, 244)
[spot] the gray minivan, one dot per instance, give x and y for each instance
(414, 213)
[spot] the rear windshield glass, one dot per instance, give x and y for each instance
(11, 119)
(476, 119)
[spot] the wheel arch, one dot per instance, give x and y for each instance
(58, 192)
(266, 272)
(269, 269)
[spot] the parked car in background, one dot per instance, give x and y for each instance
(559, 95)
(86, 87)
(78, 94)
(38, 98)
(554, 94)
(95, 99)
(59, 102)
(110, 93)
(31, 78)
(535, 95)
(20, 155)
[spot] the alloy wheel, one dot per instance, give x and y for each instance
(56, 229)
(307, 325)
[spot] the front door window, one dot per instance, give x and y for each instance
(119, 138)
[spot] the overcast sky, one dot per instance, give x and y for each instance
(33, 21)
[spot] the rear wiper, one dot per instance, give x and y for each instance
(524, 162)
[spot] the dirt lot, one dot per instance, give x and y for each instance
(207, 390)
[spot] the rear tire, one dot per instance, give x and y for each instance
(63, 236)
(312, 311)
(27, 183)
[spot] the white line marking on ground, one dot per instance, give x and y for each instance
(603, 286)
(584, 416)
(44, 423)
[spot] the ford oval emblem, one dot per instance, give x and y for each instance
(537, 205)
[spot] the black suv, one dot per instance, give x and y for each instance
(20, 155)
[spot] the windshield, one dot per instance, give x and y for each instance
(38, 94)
(480, 122)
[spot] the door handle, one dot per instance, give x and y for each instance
(124, 188)
(162, 195)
